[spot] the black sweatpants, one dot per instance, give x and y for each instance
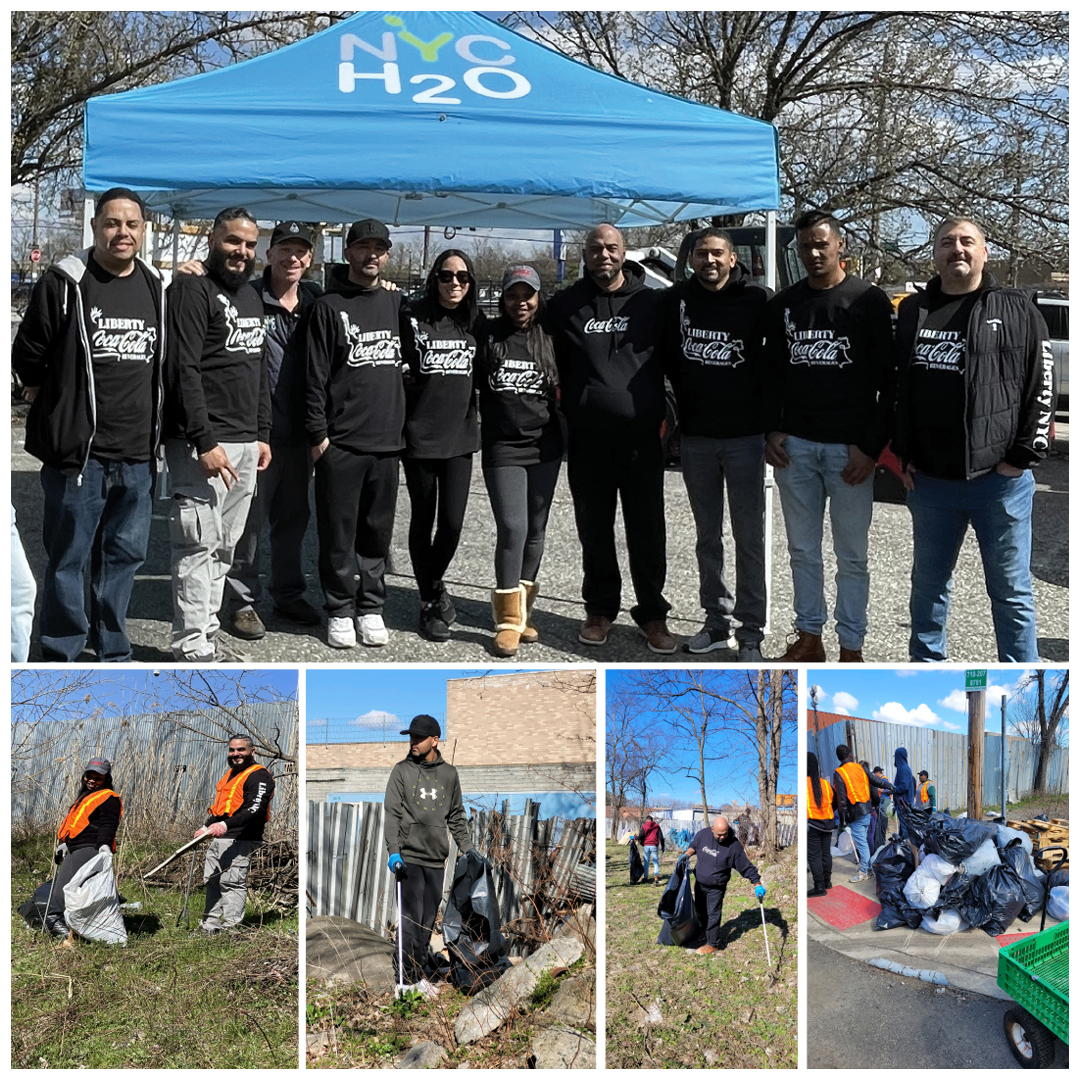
(73, 861)
(605, 467)
(355, 500)
(421, 894)
(709, 901)
(438, 495)
(819, 855)
(520, 502)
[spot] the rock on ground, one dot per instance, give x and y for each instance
(425, 1055)
(493, 1006)
(342, 950)
(563, 1048)
(574, 1002)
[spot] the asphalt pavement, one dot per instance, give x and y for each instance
(859, 1017)
(559, 611)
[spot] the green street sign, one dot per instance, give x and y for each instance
(975, 680)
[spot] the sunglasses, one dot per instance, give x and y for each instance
(462, 276)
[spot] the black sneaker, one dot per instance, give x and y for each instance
(447, 611)
(298, 611)
(708, 639)
(432, 625)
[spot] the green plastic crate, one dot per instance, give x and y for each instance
(1035, 974)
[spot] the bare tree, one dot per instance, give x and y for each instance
(623, 716)
(1041, 715)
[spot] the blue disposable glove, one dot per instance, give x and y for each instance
(759, 892)
(396, 863)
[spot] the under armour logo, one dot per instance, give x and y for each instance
(424, 793)
(995, 323)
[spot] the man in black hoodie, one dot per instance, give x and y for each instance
(974, 406)
(217, 425)
(718, 852)
(422, 801)
(90, 353)
(355, 398)
(713, 357)
(828, 347)
(607, 329)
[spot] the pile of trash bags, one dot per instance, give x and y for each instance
(959, 873)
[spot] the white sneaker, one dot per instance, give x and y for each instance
(372, 629)
(860, 876)
(341, 634)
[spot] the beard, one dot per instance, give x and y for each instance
(231, 279)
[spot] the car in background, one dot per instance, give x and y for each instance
(1054, 308)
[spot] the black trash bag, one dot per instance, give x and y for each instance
(894, 864)
(954, 892)
(677, 908)
(895, 908)
(637, 867)
(994, 901)
(915, 822)
(33, 910)
(878, 829)
(1057, 878)
(1015, 855)
(955, 839)
(471, 924)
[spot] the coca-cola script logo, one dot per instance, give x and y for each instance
(711, 347)
(517, 377)
(121, 339)
(243, 333)
(615, 325)
(822, 348)
(443, 356)
(370, 348)
(940, 350)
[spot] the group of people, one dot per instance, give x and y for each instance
(854, 800)
(251, 387)
(236, 821)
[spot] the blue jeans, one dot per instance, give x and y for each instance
(862, 846)
(653, 857)
(999, 509)
(102, 517)
(23, 592)
(811, 477)
(707, 466)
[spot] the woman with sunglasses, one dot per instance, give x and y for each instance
(440, 427)
(88, 829)
(521, 449)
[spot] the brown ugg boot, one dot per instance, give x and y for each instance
(508, 611)
(529, 635)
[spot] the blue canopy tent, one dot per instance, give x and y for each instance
(422, 117)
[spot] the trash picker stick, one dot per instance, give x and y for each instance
(184, 913)
(765, 932)
(399, 990)
(177, 853)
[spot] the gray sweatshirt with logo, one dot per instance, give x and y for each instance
(423, 800)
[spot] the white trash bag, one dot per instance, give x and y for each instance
(845, 846)
(923, 887)
(1057, 907)
(937, 867)
(983, 859)
(1005, 836)
(949, 922)
(91, 906)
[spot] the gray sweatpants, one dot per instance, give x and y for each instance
(225, 874)
(206, 522)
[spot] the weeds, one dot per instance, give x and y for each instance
(544, 990)
(410, 1001)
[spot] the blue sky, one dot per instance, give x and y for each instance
(344, 697)
(732, 779)
(930, 697)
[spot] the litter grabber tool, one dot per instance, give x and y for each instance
(177, 853)
(760, 893)
(399, 873)
(184, 914)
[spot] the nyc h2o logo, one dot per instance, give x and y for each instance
(490, 76)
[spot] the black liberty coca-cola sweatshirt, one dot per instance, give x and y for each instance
(355, 393)
(712, 344)
(610, 368)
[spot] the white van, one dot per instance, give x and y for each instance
(1055, 310)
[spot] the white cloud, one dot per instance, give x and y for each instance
(377, 718)
(892, 712)
(844, 701)
(956, 700)
(840, 710)
(951, 727)
(906, 673)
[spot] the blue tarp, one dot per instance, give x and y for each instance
(422, 117)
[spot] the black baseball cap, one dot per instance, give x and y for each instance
(291, 230)
(423, 725)
(99, 765)
(368, 229)
(923, 772)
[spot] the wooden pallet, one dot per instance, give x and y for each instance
(1045, 834)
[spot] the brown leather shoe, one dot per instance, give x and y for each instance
(807, 649)
(850, 656)
(247, 625)
(594, 630)
(657, 637)
(707, 950)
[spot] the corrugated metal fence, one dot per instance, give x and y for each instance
(944, 756)
(536, 864)
(165, 765)
(786, 827)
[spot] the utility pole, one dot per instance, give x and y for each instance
(975, 685)
(1004, 760)
(427, 243)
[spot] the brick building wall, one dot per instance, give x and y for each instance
(526, 718)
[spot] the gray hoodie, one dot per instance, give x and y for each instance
(423, 800)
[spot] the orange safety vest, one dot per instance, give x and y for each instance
(858, 786)
(819, 811)
(78, 817)
(923, 797)
(230, 794)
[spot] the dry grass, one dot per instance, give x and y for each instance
(722, 1011)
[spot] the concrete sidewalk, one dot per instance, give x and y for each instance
(968, 959)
